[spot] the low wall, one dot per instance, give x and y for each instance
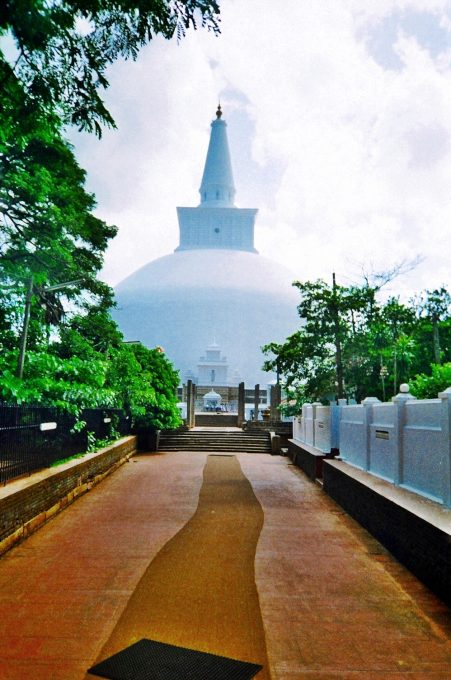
(405, 441)
(216, 420)
(415, 530)
(308, 458)
(26, 503)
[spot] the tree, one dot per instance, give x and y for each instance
(92, 331)
(146, 384)
(322, 356)
(47, 229)
(396, 327)
(428, 386)
(350, 344)
(64, 47)
(48, 233)
(434, 306)
(91, 366)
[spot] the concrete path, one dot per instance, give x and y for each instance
(334, 603)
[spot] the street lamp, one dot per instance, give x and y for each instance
(383, 374)
(26, 319)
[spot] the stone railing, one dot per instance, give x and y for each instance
(406, 442)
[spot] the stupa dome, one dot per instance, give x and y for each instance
(212, 396)
(215, 285)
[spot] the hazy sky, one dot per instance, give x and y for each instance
(339, 123)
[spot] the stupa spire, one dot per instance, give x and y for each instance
(217, 223)
(217, 188)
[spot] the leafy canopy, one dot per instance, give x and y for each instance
(347, 335)
(47, 228)
(54, 56)
(65, 46)
(90, 366)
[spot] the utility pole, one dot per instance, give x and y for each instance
(26, 319)
(24, 334)
(338, 359)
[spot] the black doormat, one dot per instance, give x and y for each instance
(150, 660)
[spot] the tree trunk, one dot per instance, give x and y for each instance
(436, 341)
(338, 359)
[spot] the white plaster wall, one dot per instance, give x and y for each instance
(423, 455)
(322, 429)
(297, 428)
(309, 431)
(352, 435)
(383, 451)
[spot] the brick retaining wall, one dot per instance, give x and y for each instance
(26, 503)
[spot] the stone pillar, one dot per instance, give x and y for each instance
(241, 411)
(398, 423)
(275, 402)
(314, 407)
(256, 401)
(368, 404)
(304, 422)
(190, 404)
(335, 417)
(446, 447)
(194, 405)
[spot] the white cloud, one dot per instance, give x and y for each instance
(351, 161)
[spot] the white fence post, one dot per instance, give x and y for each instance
(398, 427)
(304, 430)
(314, 407)
(335, 415)
(446, 434)
(368, 404)
(297, 427)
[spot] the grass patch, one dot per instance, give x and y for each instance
(99, 444)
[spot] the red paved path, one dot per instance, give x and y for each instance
(335, 605)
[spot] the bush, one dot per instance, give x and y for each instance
(428, 386)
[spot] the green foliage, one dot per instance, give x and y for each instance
(90, 366)
(64, 48)
(93, 445)
(53, 66)
(61, 461)
(46, 224)
(69, 384)
(48, 233)
(371, 347)
(146, 384)
(429, 386)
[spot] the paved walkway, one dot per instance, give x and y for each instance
(334, 603)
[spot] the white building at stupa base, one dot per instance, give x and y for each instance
(215, 282)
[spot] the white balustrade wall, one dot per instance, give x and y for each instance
(298, 431)
(406, 442)
(382, 440)
(322, 428)
(423, 466)
(308, 414)
(352, 434)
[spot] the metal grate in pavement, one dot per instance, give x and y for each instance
(151, 660)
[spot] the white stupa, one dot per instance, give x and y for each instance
(214, 282)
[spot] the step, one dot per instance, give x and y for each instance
(208, 440)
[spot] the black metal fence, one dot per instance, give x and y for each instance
(34, 437)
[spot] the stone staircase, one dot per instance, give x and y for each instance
(216, 439)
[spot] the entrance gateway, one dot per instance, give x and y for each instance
(247, 405)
